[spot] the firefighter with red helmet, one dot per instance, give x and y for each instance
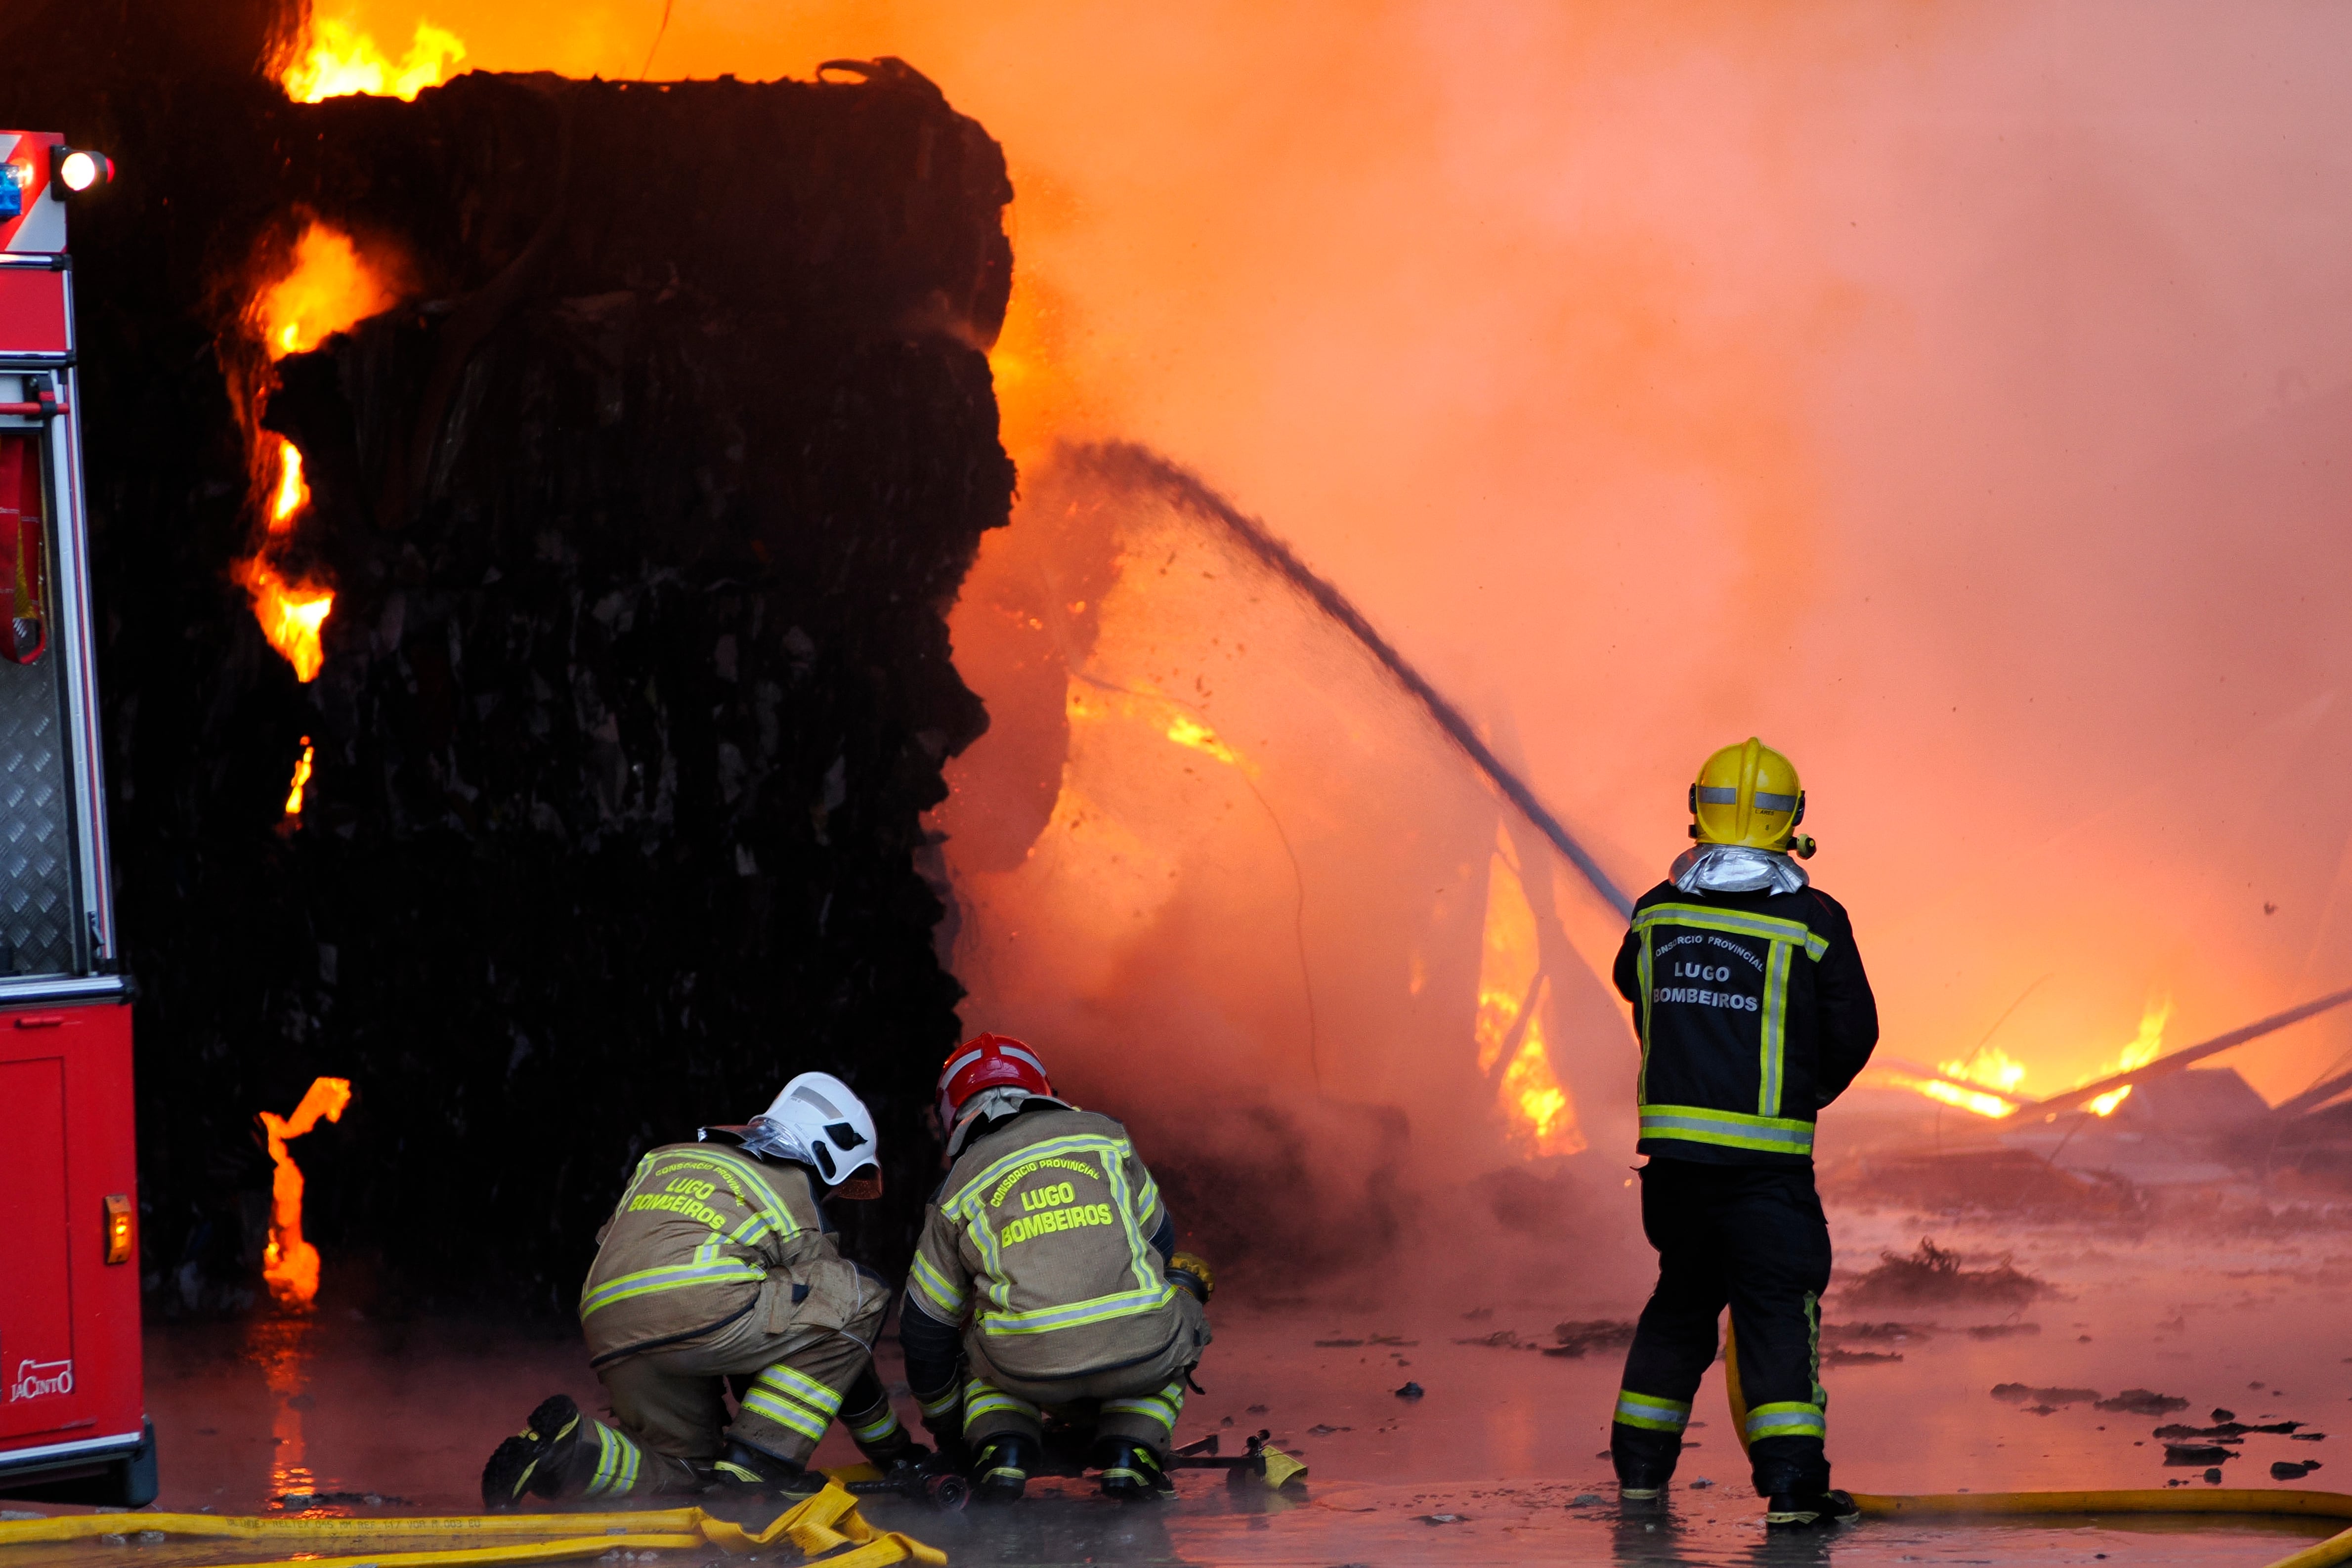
(719, 1266)
(1046, 1280)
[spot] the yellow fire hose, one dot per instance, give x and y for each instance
(2328, 1553)
(826, 1522)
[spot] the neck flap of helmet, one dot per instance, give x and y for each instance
(771, 1140)
(990, 1105)
(1736, 868)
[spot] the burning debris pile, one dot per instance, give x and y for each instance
(1934, 1274)
(564, 793)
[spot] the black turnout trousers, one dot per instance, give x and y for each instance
(1752, 1238)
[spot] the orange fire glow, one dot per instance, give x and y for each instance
(1982, 1104)
(1537, 1111)
(337, 59)
(292, 493)
(2003, 1076)
(291, 614)
(290, 1264)
(330, 287)
(1187, 731)
(2144, 1048)
(301, 781)
(1163, 714)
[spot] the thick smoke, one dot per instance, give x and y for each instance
(1950, 396)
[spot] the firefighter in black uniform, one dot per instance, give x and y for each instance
(1754, 1013)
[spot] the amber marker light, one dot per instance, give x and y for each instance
(120, 1233)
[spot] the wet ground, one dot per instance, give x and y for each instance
(1499, 1461)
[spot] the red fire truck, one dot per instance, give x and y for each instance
(73, 1424)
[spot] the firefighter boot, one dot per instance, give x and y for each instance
(880, 1435)
(1001, 1473)
(755, 1472)
(536, 1461)
(1644, 1462)
(1130, 1472)
(1808, 1511)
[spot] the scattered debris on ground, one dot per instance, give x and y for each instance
(2142, 1402)
(1998, 1181)
(1600, 1333)
(1411, 1391)
(1836, 1356)
(2291, 1469)
(2021, 1393)
(2224, 1429)
(1876, 1333)
(1933, 1274)
(2002, 1331)
(2197, 1453)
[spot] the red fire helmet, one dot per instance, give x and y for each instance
(987, 1062)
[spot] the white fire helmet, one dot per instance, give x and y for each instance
(820, 1122)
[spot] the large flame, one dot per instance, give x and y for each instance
(290, 1264)
(291, 614)
(1536, 1108)
(330, 287)
(337, 59)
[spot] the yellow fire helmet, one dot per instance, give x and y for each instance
(1748, 795)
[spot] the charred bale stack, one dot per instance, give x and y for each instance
(643, 511)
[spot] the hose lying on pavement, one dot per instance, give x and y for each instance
(827, 1522)
(2327, 1553)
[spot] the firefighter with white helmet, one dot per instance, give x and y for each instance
(1046, 1280)
(1754, 1013)
(719, 1264)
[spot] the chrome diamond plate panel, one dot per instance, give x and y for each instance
(37, 895)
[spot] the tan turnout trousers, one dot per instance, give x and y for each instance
(716, 1264)
(673, 1400)
(1140, 1402)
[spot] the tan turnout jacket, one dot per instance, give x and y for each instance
(699, 1228)
(1043, 1231)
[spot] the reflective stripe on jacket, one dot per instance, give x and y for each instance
(698, 1229)
(1754, 1012)
(1042, 1233)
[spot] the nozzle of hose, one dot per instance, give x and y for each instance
(1191, 1271)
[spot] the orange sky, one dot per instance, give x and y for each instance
(1952, 394)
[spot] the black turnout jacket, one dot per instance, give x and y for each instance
(1754, 1013)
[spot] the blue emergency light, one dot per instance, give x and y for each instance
(12, 190)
